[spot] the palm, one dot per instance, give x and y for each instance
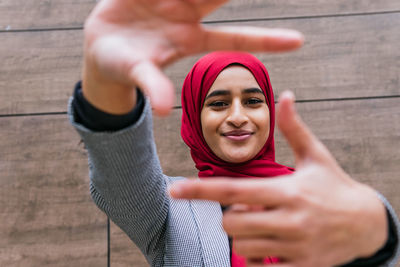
(154, 30)
(128, 41)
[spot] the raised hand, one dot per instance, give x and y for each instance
(317, 217)
(127, 42)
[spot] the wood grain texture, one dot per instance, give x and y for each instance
(44, 14)
(48, 14)
(347, 57)
(48, 217)
(38, 70)
(255, 9)
(363, 135)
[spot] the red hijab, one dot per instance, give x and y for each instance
(194, 91)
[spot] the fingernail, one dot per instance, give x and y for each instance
(293, 34)
(287, 94)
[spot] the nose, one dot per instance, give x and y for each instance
(237, 116)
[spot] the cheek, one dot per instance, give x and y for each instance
(209, 126)
(262, 120)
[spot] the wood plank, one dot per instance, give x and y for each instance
(38, 70)
(48, 216)
(347, 57)
(45, 14)
(245, 9)
(364, 136)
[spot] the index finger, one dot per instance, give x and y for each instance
(252, 39)
(266, 192)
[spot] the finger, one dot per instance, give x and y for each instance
(272, 223)
(209, 2)
(256, 264)
(267, 192)
(262, 248)
(156, 85)
(303, 143)
(252, 39)
(271, 262)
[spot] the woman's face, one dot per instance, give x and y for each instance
(235, 116)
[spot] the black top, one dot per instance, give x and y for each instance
(97, 120)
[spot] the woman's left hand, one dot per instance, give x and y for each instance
(317, 216)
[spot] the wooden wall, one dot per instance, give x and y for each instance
(346, 79)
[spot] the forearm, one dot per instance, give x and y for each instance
(108, 95)
(126, 179)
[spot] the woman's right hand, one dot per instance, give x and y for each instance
(127, 42)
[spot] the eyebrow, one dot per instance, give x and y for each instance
(222, 92)
(253, 91)
(218, 93)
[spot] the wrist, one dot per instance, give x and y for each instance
(108, 96)
(375, 222)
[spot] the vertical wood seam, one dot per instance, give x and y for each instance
(108, 243)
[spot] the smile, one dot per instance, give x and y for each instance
(238, 135)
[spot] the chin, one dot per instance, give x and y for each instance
(237, 158)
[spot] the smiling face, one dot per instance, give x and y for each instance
(235, 116)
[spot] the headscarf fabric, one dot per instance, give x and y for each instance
(194, 91)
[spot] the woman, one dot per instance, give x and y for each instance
(228, 118)
(228, 122)
(125, 45)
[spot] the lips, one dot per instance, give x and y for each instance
(238, 135)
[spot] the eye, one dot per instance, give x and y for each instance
(217, 104)
(254, 101)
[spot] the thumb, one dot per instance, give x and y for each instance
(306, 147)
(156, 85)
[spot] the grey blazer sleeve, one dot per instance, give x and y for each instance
(127, 183)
